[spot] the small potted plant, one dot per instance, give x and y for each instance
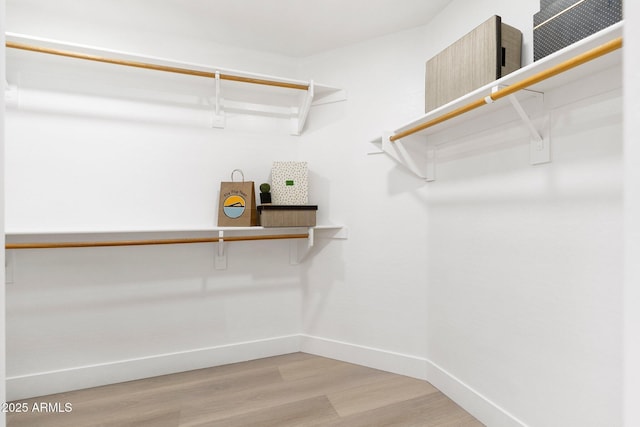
(265, 193)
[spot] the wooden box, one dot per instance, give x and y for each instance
(287, 215)
(563, 22)
(490, 51)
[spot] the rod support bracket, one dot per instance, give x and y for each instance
(540, 147)
(221, 254)
(218, 119)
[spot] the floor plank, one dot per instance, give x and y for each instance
(296, 389)
(308, 412)
(429, 410)
(340, 376)
(380, 393)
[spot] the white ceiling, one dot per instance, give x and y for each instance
(305, 27)
(290, 27)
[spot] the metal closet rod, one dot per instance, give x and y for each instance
(54, 245)
(136, 64)
(522, 84)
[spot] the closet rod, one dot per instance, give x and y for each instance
(523, 84)
(156, 67)
(54, 245)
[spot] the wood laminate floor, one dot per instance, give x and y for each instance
(296, 389)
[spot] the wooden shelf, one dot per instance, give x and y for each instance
(208, 91)
(417, 151)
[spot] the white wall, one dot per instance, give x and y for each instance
(500, 282)
(2, 254)
(505, 279)
(632, 216)
(89, 316)
(130, 27)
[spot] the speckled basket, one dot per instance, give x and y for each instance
(563, 22)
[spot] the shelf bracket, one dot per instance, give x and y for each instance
(218, 114)
(302, 112)
(410, 151)
(221, 255)
(300, 248)
(11, 94)
(9, 266)
(540, 147)
(337, 95)
(431, 164)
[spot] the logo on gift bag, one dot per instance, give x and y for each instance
(234, 206)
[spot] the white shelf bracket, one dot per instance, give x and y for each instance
(540, 147)
(299, 248)
(9, 266)
(535, 135)
(297, 122)
(218, 114)
(412, 152)
(335, 96)
(10, 94)
(221, 255)
(431, 164)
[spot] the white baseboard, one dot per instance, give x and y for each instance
(43, 383)
(397, 363)
(473, 402)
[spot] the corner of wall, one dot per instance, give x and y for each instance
(2, 254)
(631, 352)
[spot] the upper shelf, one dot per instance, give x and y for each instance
(593, 63)
(78, 68)
(610, 60)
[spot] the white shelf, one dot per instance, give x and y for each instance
(133, 230)
(298, 248)
(215, 98)
(417, 152)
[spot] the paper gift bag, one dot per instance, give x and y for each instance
(289, 183)
(237, 206)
